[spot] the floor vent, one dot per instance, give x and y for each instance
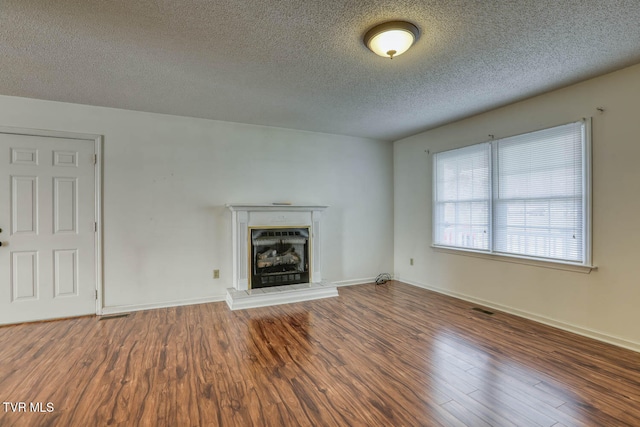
(113, 316)
(482, 310)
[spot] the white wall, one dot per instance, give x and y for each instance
(166, 180)
(604, 303)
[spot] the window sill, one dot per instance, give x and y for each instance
(556, 265)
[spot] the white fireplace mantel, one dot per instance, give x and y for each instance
(244, 216)
(247, 216)
(239, 207)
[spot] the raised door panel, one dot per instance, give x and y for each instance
(24, 275)
(65, 273)
(65, 206)
(24, 205)
(65, 159)
(24, 156)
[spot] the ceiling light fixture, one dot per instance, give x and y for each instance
(391, 38)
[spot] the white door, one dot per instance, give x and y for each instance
(47, 214)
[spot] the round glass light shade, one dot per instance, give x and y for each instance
(391, 38)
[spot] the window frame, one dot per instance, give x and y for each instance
(584, 266)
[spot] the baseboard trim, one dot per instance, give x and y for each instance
(117, 309)
(355, 281)
(599, 336)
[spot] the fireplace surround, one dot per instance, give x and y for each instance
(277, 254)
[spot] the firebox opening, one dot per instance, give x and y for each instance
(279, 256)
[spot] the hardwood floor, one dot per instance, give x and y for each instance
(389, 355)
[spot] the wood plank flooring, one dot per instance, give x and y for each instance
(389, 355)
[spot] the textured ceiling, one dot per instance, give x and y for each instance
(302, 64)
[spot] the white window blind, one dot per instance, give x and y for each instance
(523, 196)
(463, 197)
(538, 204)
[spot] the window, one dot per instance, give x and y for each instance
(525, 196)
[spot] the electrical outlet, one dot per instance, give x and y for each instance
(216, 274)
(410, 261)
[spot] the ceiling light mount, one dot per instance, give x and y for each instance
(391, 39)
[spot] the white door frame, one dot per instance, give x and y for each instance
(97, 141)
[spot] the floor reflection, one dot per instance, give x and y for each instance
(278, 340)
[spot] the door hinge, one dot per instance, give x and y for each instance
(95, 159)
(96, 294)
(95, 226)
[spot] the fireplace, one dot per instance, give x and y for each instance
(258, 230)
(279, 256)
